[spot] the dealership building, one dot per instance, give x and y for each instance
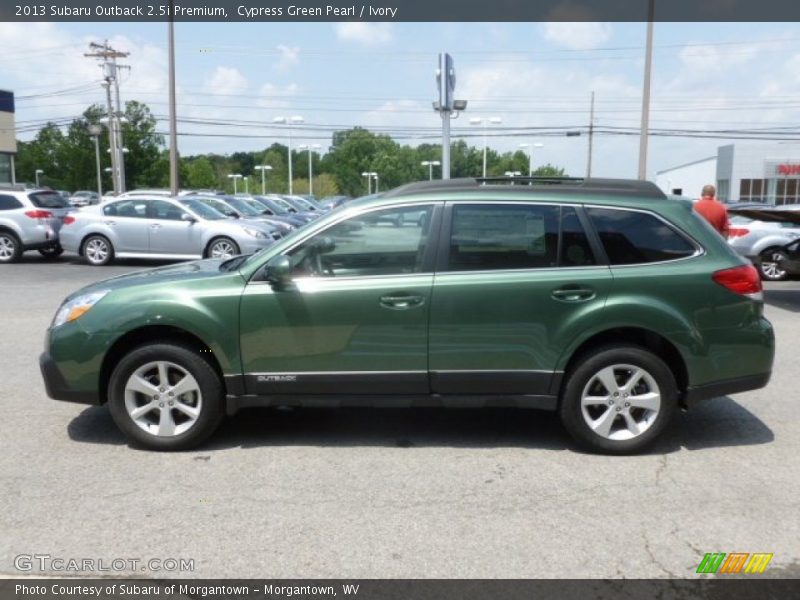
(8, 138)
(768, 173)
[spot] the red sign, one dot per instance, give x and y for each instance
(789, 169)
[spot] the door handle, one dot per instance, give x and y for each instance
(573, 294)
(401, 302)
(110, 222)
(155, 226)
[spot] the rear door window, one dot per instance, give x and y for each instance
(126, 208)
(632, 237)
(9, 202)
(503, 236)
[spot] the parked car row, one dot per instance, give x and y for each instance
(146, 224)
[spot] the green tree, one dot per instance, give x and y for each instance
(144, 147)
(200, 174)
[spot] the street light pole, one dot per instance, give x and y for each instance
(288, 121)
(246, 185)
(529, 149)
(369, 182)
(309, 147)
(430, 164)
(95, 131)
(263, 168)
(36, 174)
(234, 176)
(483, 121)
(648, 64)
(375, 175)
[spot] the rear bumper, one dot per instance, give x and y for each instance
(57, 387)
(695, 394)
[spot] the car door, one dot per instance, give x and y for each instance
(126, 221)
(170, 233)
(354, 319)
(511, 281)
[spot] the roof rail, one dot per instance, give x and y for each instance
(571, 185)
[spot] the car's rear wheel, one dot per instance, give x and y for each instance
(618, 400)
(97, 250)
(51, 251)
(222, 248)
(10, 247)
(770, 265)
(166, 397)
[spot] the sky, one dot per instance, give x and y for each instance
(233, 79)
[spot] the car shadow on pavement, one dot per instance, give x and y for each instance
(712, 424)
(785, 299)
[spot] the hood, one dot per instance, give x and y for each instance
(184, 271)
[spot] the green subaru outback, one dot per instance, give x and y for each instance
(600, 299)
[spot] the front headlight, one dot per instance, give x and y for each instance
(76, 307)
(255, 233)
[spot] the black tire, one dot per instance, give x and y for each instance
(210, 399)
(219, 242)
(97, 258)
(10, 247)
(769, 264)
(584, 373)
(51, 251)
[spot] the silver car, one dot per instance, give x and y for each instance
(30, 220)
(761, 242)
(160, 228)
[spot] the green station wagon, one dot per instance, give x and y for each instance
(600, 299)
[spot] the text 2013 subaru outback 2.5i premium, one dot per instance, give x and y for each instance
(601, 299)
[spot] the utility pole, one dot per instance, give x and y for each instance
(648, 63)
(173, 123)
(109, 57)
(591, 137)
(447, 105)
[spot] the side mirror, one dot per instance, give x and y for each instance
(278, 270)
(188, 218)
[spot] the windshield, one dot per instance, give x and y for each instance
(244, 207)
(48, 200)
(203, 210)
(220, 206)
(280, 206)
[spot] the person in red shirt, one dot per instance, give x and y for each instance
(712, 210)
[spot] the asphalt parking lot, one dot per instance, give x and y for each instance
(390, 493)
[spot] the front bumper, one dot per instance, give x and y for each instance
(56, 386)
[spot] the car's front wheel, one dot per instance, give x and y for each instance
(617, 400)
(222, 248)
(166, 397)
(769, 265)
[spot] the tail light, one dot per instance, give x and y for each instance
(738, 232)
(69, 220)
(743, 280)
(39, 214)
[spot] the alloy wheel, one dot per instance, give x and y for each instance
(620, 402)
(222, 249)
(163, 399)
(770, 266)
(8, 248)
(96, 251)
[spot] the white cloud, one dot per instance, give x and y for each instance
(289, 56)
(226, 80)
(366, 34)
(578, 35)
